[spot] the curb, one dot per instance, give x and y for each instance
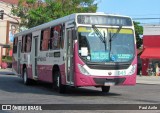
(152, 80)
(6, 71)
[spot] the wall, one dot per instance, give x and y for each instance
(3, 30)
(151, 39)
(151, 36)
(5, 25)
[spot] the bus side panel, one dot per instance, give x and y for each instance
(45, 73)
(29, 72)
(62, 71)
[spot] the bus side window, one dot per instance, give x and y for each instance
(15, 45)
(23, 44)
(56, 35)
(29, 43)
(45, 34)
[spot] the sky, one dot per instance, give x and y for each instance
(133, 8)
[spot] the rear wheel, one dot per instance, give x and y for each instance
(26, 80)
(57, 84)
(105, 89)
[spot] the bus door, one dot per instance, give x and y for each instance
(34, 56)
(19, 57)
(69, 54)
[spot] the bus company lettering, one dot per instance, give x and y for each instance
(41, 59)
(49, 54)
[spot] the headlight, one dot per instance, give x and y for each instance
(133, 69)
(83, 70)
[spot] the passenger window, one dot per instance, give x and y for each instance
(45, 34)
(29, 43)
(23, 44)
(56, 36)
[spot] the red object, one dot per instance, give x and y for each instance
(151, 41)
(151, 46)
(10, 52)
(151, 53)
(4, 65)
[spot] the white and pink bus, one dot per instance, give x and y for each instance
(79, 50)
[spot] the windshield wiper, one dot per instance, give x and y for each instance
(110, 38)
(101, 37)
(114, 35)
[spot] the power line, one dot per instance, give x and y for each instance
(145, 15)
(146, 18)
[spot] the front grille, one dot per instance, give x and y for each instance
(108, 67)
(101, 81)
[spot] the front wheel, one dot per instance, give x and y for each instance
(105, 89)
(57, 84)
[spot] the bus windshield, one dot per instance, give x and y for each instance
(111, 45)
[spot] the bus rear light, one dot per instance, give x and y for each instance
(133, 69)
(83, 70)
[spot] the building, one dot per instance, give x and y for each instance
(8, 26)
(151, 49)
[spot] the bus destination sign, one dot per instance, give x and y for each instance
(104, 20)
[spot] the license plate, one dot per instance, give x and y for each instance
(109, 84)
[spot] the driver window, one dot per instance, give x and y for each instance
(82, 42)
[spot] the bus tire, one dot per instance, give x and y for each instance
(105, 89)
(26, 80)
(57, 85)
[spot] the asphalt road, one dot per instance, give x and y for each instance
(12, 91)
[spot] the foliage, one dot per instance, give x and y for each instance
(7, 59)
(36, 12)
(138, 32)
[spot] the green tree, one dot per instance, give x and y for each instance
(36, 12)
(138, 32)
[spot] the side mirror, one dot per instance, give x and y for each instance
(74, 34)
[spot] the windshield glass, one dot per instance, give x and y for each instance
(111, 45)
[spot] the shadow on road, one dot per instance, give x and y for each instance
(88, 91)
(12, 83)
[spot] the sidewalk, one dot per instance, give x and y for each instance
(7, 71)
(148, 79)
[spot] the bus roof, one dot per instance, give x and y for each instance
(62, 20)
(48, 24)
